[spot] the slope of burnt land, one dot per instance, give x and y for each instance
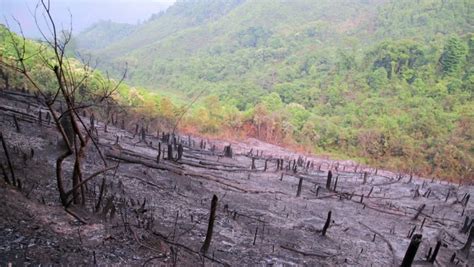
(272, 203)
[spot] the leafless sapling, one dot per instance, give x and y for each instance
(67, 91)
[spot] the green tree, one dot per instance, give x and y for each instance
(454, 55)
(378, 80)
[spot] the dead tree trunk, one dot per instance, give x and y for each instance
(77, 172)
(170, 152)
(253, 164)
(228, 151)
(300, 184)
(136, 130)
(435, 252)
(143, 135)
(370, 192)
(265, 167)
(467, 225)
(326, 225)
(467, 200)
(418, 212)
(9, 162)
(210, 226)
(48, 118)
(180, 152)
(92, 121)
(411, 251)
(466, 249)
(159, 153)
(4, 173)
(447, 196)
(101, 195)
(17, 126)
(328, 181)
(255, 236)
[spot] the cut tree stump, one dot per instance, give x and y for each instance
(435, 252)
(326, 225)
(466, 249)
(9, 162)
(228, 151)
(210, 227)
(180, 152)
(411, 251)
(159, 153)
(170, 152)
(328, 181)
(300, 184)
(17, 126)
(418, 212)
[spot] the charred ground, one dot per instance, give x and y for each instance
(156, 211)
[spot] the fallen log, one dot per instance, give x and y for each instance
(304, 253)
(150, 164)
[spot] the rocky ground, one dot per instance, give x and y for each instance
(157, 212)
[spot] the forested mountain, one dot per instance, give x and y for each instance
(390, 82)
(102, 34)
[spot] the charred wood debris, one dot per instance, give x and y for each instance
(231, 203)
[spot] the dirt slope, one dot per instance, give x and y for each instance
(160, 210)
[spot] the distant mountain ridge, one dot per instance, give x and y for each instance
(197, 28)
(103, 33)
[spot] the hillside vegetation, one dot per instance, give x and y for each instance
(388, 82)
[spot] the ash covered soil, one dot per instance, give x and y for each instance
(155, 213)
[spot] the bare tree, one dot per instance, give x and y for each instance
(71, 89)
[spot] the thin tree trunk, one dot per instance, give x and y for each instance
(210, 226)
(300, 184)
(328, 181)
(326, 225)
(9, 162)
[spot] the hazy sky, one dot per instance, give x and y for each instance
(84, 12)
